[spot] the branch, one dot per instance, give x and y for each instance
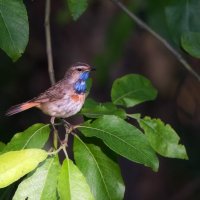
(139, 22)
(48, 42)
(65, 152)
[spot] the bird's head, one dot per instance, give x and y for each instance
(79, 71)
(78, 74)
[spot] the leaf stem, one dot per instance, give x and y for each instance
(140, 23)
(135, 116)
(48, 41)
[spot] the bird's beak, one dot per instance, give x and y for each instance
(93, 69)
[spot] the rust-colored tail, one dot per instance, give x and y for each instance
(20, 107)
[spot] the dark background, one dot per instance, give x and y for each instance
(106, 38)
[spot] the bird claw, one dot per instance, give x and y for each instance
(64, 142)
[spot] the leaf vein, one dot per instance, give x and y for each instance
(128, 93)
(96, 165)
(120, 140)
(34, 135)
(10, 36)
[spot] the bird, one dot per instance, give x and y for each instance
(62, 100)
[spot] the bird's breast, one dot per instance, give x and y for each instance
(67, 106)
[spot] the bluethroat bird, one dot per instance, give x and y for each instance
(62, 100)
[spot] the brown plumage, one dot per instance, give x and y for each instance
(62, 99)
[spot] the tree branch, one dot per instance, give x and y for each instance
(48, 41)
(139, 22)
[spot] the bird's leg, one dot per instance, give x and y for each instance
(68, 127)
(52, 122)
(65, 141)
(66, 123)
(55, 134)
(68, 130)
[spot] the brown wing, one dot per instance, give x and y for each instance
(54, 93)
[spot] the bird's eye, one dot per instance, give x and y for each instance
(79, 69)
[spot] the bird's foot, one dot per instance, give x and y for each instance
(65, 122)
(64, 142)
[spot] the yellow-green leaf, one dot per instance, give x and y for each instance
(41, 183)
(15, 164)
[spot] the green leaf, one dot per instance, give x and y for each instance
(131, 90)
(102, 174)
(72, 184)
(182, 16)
(77, 8)
(123, 138)
(42, 183)
(15, 164)
(190, 41)
(2, 146)
(163, 138)
(14, 29)
(34, 137)
(92, 109)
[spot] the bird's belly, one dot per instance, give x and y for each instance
(65, 107)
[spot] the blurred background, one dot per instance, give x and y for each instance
(106, 38)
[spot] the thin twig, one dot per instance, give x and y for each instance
(56, 151)
(61, 147)
(48, 41)
(65, 152)
(161, 39)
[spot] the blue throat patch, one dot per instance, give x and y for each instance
(80, 86)
(84, 76)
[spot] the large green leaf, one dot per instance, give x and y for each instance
(15, 164)
(34, 137)
(190, 41)
(182, 16)
(92, 109)
(102, 174)
(122, 138)
(42, 183)
(163, 138)
(72, 184)
(77, 8)
(131, 90)
(14, 29)
(175, 20)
